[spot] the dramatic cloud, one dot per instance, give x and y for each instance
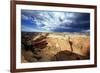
(54, 21)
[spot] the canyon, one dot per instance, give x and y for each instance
(44, 47)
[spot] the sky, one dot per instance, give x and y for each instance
(54, 21)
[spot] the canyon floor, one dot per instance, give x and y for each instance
(44, 47)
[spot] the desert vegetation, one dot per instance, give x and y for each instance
(41, 47)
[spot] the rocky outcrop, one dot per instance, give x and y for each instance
(54, 47)
(67, 55)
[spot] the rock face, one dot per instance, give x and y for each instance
(54, 47)
(67, 55)
(81, 45)
(27, 55)
(76, 44)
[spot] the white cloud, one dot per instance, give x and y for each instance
(49, 21)
(24, 17)
(29, 29)
(54, 20)
(85, 31)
